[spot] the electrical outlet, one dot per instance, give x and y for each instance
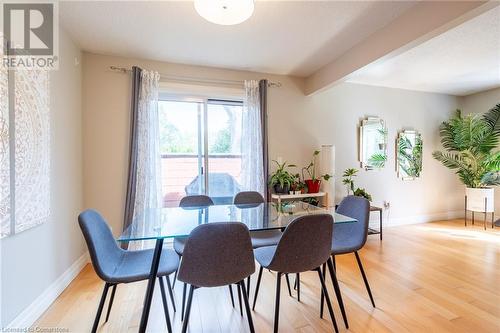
(387, 205)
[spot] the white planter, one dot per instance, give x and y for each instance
(480, 198)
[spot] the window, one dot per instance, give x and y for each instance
(200, 143)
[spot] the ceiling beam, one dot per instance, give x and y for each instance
(420, 23)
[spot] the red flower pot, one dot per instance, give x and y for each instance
(313, 185)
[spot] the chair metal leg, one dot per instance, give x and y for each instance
(188, 309)
(165, 305)
(171, 293)
(322, 304)
(110, 302)
(239, 300)
(183, 301)
(328, 303)
(288, 285)
(297, 282)
(100, 307)
(248, 286)
(175, 279)
(231, 294)
(247, 307)
(364, 278)
(334, 262)
(277, 306)
(336, 287)
(257, 287)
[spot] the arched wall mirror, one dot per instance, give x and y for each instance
(409, 155)
(372, 143)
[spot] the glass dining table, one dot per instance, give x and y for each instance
(168, 223)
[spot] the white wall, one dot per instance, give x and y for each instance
(333, 116)
(480, 103)
(33, 260)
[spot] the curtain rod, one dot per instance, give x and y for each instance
(194, 79)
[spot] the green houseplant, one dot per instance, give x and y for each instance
(313, 183)
(281, 180)
(348, 181)
(471, 149)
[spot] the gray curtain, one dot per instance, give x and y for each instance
(132, 162)
(263, 117)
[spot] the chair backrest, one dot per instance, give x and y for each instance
(217, 254)
(358, 208)
(196, 201)
(305, 244)
(248, 197)
(104, 252)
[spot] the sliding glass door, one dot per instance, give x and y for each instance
(224, 149)
(188, 129)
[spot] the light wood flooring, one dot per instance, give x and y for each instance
(433, 277)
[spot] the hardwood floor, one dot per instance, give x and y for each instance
(434, 277)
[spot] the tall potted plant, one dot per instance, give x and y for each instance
(471, 143)
(313, 183)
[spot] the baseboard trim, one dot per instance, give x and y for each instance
(28, 317)
(416, 219)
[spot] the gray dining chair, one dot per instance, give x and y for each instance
(115, 265)
(349, 238)
(217, 254)
(259, 238)
(190, 201)
(304, 246)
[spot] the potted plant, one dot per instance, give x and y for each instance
(282, 179)
(471, 144)
(297, 186)
(313, 183)
(348, 180)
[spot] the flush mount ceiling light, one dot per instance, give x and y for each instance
(225, 12)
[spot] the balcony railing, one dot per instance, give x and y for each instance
(180, 169)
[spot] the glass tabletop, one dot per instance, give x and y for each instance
(179, 222)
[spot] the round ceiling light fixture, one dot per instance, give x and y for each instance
(225, 12)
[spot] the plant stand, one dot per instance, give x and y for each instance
(485, 212)
(292, 197)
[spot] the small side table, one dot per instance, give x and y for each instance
(372, 231)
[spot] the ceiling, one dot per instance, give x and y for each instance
(461, 61)
(291, 38)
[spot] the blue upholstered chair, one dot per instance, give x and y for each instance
(190, 201)
(217, 254)
(304, 246)
(115, 265)
(349, 238)
(259, 238)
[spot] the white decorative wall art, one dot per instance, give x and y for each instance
(5, 220)
(25, 147)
